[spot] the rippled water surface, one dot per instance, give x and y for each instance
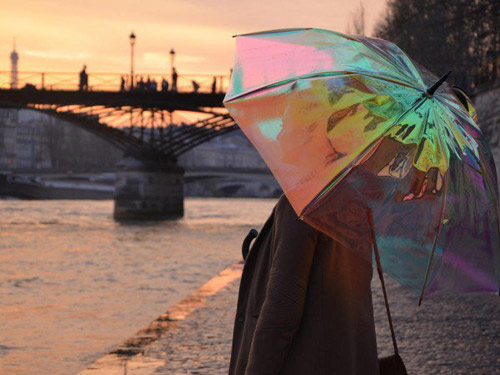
(74, 283)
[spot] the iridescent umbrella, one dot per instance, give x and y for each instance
(347, 123)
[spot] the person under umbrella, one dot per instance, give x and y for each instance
(369, 148)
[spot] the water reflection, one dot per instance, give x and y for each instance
(74, 283)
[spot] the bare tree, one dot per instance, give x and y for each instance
(357, 21)
(443, 35)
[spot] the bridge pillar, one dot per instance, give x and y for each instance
(148, 190)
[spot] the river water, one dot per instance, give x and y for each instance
(74, 283)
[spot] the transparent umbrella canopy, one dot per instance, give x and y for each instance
(347, 123)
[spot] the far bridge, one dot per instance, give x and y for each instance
(139, 120)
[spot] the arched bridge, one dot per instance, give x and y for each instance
(142, 122)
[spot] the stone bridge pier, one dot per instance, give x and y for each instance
(148, 190)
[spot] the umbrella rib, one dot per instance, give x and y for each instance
(441, 137)
(462, 115)
(274, 31)
(458, 155)
(323, 74)
(431, 256)
(410, 64)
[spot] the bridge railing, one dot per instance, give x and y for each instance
(207, 83)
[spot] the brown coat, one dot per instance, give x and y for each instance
(304, 305)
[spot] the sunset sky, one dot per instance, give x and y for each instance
(62, 35)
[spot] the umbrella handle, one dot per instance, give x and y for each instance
(381, 277)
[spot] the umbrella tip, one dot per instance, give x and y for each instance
(431, 90)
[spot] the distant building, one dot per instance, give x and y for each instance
(22, 146)
(8, 122)
(32, 152)
(227, 166)
(230, 151)
(31, 141)
(14, 59)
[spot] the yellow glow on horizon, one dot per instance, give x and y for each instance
(61, 35)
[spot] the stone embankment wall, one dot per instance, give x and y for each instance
(487, 104)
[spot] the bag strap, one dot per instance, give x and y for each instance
(245, 246)
(381, 277)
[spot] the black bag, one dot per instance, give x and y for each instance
(393, 364)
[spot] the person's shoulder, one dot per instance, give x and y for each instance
(286, 215)
(284, 206)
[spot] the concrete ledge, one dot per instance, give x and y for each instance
(123, 358)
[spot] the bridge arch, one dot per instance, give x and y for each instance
(149, 183)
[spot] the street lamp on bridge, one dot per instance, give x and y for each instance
(132, 42)
(172, 57)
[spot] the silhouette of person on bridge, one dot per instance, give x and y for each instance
(84, 79)
(196, 86)
(141, 84)
(154, 85)
(164, 85)
(174, 79)
(122, 83)
(214, 85)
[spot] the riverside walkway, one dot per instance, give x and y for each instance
(445, 336)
